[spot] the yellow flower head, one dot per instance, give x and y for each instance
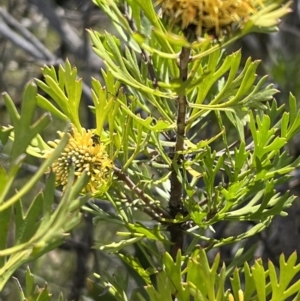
(212, 16)
(86, 153)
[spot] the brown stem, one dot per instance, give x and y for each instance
(153, 211)
(175, 204)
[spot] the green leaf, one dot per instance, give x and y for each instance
(240, 257)
(4, 134)
(24, 131)
(65, 90)
(135, 264)
(173, 270)
(154, 233)
(9, 178)
(159, 125)
(106, 47)
(29, 280)
(4, 230)
(259, 277)
(26, 227)
(49, 107)
(288, 270)
(37, 176)
(117, 246)
(3, 180)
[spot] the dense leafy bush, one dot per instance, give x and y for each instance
(185, 138)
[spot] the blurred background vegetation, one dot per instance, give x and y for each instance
(38, 32)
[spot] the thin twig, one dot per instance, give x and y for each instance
(155, 212)
(147, 211)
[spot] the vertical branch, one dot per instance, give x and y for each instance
(176, 194)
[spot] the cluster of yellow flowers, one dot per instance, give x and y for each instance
(86, 153)
(212, 16)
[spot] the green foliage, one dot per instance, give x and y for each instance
(65, 89)
(41, 228)
(217, 85)
(159, 96)
(33, 292)
(266, 284)
(205, 281)
(24, 131)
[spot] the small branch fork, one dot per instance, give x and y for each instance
(153, 211)
(176, 194)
